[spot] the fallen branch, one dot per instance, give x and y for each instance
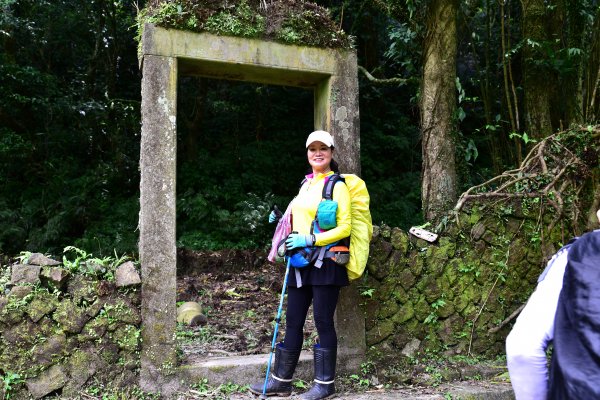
(507, 320)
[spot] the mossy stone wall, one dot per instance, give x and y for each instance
(459, 296)
(453, 296)
(61, 331)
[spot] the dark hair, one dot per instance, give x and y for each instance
(334, 166)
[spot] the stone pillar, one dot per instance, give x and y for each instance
(336, 110)
(158, 161)
(342, 109)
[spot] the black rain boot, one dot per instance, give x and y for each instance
(324, 386)
(280, 381)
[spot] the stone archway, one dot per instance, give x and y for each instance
(167, 54)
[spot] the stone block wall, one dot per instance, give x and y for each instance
(61, 329)
(454, 296)
(460, 295)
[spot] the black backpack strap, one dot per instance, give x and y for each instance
(328, 188)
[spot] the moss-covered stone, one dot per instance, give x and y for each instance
(376, 335)
(488, 272)
(385, 290)
(406, 279)
(39, 336)
(43, 304)
(478, 230)
(21, 294)
(127, 338)
(25, 274)
(109, 351)
(422, 308)
(475, 215)
(388, 308)
(15, 359)
(400, 240)
(81, 366)
(119, 310)
(517, 252)
(465, 303)
(386, 232)
(94, 330)
(405, 313)
(484, 267)
(70, 317)
(52, 350)
(450, 275)
(437, 258)
(94, 309)
(400, 295)
(50, 380)
(54, 278)
(447, 246)
(378, 265)
(416, 264)
(446, 309)
(3, 303)
(83, 289)
(130, 360)
(431, 288)
(397, 262)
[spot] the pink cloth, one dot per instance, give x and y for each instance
(284, 227)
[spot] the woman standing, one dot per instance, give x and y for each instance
(317, 285)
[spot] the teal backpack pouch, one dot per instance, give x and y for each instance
(327, 215)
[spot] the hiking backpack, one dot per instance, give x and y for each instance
(362, 226)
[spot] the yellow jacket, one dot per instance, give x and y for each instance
(304, 208)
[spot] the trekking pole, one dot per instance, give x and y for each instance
(277, 320)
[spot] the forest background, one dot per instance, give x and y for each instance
(70, 116)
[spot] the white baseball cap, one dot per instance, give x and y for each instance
(320, 136)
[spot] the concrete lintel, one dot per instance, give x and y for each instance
(251, 73)
(254, 54)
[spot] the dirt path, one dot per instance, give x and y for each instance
(239, 293)
(240, 305)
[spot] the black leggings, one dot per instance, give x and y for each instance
(324, 299)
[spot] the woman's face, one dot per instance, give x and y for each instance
(319, 156)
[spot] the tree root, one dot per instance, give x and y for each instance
(548, 172)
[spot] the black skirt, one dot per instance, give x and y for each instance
(330, 273)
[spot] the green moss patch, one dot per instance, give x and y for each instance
(285, 21)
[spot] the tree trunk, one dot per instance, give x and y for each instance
(572, 82)
(536, 82)
(438, 103)
(591, 78)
